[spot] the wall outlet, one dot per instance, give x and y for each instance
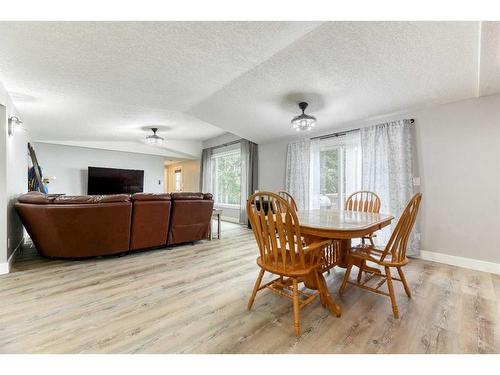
(416, 181)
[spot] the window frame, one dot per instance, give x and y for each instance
(215, 174)
(342, 144)
(340, 160)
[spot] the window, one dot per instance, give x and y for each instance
(330, 176)
(226, 178)
(178, 179)
(339, 169)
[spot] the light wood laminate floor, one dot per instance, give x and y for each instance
(192, 299)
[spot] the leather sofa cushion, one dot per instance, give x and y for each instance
(187, 196)
(35, 197)
(150, 221)
(190, 219)
(150, 197)
(77, 230)
(91, 199)
(190, 196)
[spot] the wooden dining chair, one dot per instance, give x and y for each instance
(392, 256)
(289, 198)
(283, 253)
(330, 256)
(364, 201)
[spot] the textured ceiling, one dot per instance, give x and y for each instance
(105, 81)
(350, 71)
(110, 80)
(490, 59)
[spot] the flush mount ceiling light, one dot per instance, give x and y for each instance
(303, 121)
(154, 139)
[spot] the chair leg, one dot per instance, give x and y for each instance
(256, 288)
(405, 283)
(391, 292)
(371, 241)
(346, 277)
(360, 272)
(296, 323)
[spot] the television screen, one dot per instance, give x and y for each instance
(114, 181)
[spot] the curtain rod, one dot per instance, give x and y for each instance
(339, 134)
(226, 144)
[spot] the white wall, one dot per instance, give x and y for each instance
(3, 188)
(458, 147)
(17, 184)
(459, 161)
(190, 175)
(69, 165)
(13, 180)
(272, 164)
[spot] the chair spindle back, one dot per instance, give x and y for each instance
(289, 198)
(277, 231)
(363, 201)
(399, 239)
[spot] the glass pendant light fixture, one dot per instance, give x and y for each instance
(303, 121)
(154, 140)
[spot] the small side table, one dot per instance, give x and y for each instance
(216, 212)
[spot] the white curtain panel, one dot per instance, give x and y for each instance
(315, 174)
(387, 170)
(297, 171)
(352, 163)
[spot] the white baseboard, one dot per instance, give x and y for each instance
(6, 266)
(473, 264)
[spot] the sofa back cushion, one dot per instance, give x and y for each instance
(150, 220)
(91, 199)
(35, 197)
(187, 196)
(150, 197)
(190, 217)
(77, 230)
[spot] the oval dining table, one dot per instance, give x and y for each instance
(342, 226)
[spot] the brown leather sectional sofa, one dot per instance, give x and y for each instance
(92, 225)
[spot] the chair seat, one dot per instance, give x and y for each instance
(287, 270)
(372, 254)
(296, 270)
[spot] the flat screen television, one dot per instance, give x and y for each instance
(114, 181)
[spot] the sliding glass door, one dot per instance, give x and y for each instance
(335, 171)
(331, 177)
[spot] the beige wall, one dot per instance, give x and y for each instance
(190, 175)
(458, 147)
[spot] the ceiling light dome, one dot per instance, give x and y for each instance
(303, 121)
(154, 139)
